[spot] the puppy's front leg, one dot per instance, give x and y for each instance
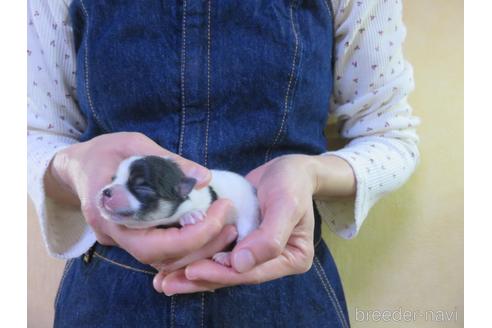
(192, 217)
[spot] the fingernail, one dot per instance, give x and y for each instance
(190, 275)
(156, 286)
(199, 173)
(163, 289)
(231, 236)
(244, 260)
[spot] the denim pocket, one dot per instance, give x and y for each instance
(119, 259)
(107, 291)
(122, 265)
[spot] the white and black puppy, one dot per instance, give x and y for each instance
(149, 191)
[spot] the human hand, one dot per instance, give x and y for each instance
(79, 172)
(281, 246)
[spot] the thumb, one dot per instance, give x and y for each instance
(269, 240)
(194, 170)
(254, 176)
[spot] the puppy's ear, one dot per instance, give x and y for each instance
(185, 186)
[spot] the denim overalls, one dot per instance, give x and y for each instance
(227, 84)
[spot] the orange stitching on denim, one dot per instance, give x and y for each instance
(183, 65)
(203, 309)
(123, 265)
(86, 68)
(329, 290)
(328, 7)
(291, 78)
(173, 301)
(208, 80)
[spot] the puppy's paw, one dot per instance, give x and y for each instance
(223, 258)
(192, 217)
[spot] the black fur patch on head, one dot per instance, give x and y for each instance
(152, 179)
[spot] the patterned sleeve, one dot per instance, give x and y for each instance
(371, 83)
(54, 122)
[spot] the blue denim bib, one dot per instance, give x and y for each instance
(227, 84)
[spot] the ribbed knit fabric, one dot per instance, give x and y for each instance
(371, 84)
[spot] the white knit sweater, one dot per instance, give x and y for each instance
(371, 84)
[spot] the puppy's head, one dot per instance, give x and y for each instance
(145, 190)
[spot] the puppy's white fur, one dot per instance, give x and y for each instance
(242, 194)
(226, 184)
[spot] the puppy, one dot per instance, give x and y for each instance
(149, 191)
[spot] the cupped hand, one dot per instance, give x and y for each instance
(281, 246)
(77, 174)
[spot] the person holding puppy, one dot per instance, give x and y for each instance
(241, 86)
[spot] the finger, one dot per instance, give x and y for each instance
(293, 261)
(194, 170)
(255, 175)
(269, 240)
(157, 282)
(212, 272)
(177, 283)
(227, 236)
(104, 239)
(155, 245)
(206, 274)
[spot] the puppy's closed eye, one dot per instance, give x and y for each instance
(142, 189)
(139, 181)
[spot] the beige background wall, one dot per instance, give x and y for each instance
(409, 254)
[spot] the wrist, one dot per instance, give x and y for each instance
(334, 177)
(57, 181)
(302, 168)
(310, 167)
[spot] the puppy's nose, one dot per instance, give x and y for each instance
(116, 199)
(107, 192)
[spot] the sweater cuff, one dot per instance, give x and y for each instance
(344, 216)
(64, 229)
